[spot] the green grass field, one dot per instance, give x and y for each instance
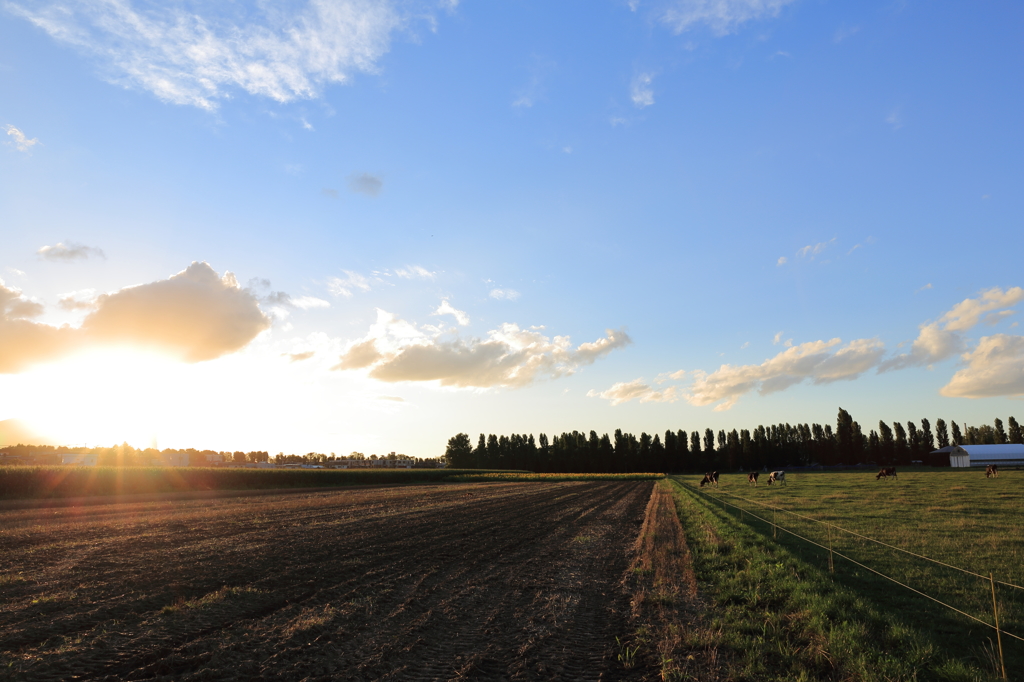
(955, 516)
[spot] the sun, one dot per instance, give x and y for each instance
(102, 397)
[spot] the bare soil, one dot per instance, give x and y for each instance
(489, 581)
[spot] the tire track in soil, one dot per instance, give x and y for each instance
(508, 581)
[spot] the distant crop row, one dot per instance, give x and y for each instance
(70, 481)
(523, 476)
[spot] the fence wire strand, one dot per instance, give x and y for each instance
(869, 539)
(868, 568)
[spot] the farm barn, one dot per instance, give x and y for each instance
(983, 455)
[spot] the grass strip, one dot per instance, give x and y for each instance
(782, 617)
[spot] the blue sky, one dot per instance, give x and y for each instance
(507, 216)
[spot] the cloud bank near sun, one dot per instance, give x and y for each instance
(994, 367)
(195, 315)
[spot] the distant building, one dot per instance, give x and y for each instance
(171, 459)
(79, 459)
(962, 456)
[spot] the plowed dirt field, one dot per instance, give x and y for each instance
(491, 581)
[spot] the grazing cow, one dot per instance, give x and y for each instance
(752, 478)
(991, 470)
(886, 472)
(710, 478)
(777, 477)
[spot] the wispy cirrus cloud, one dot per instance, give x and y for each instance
(69, 251)
(309, 302)
(191, 55)
(20, 141)
(504, 294)
(346, 286)
(812, 250)
(395, 350)
(415, 272)
(721, 16)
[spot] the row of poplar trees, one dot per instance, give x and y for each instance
(775, 446)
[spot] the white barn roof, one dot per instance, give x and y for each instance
(983, 455)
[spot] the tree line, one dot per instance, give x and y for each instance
(775, 446)
(125, 455)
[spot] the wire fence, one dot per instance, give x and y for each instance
(828, 544)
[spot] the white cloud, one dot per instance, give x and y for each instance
(776, 338)
(641, 92)
(665, 376)
(995, 368)
(813, 250)
(68, 252)
(782, 261)
(415, 272)
(185, 57)
(968, 312)
(74, 301)
(395, 351)
(942, 339)
(308, 302)
(20, 141)
(721, 16)
(195, 315)
(446, 308)
(845, 32)
(925, 287)
(15, 306)
(625, 391)
(819, 361)
(895, 119)
(365, 183)
(347, 285)
(504, 294)
(745, 345)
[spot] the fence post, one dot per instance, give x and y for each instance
(831, 561)
(999, 634)
(775, 526)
